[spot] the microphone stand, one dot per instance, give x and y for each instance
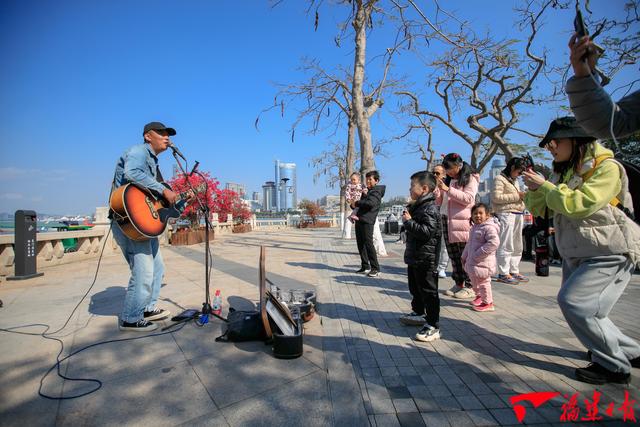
(199, 317)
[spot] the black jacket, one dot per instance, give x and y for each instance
(369, 205)
(424, 233)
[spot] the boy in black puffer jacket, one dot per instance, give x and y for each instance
(424, 231)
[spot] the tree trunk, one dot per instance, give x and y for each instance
(367, 162)
(350, 160)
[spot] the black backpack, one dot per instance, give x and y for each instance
(243, 326)
(633, 176)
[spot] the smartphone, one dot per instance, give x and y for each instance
(578, 25)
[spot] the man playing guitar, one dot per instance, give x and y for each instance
(139, 166)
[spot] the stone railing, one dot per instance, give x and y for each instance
(50, 248)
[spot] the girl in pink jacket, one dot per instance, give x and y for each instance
(479, 256)
(461, 187)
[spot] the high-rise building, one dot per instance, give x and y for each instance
(287, 186)
(484, 189)
(238, 188)
(255, 196)
(269, 196)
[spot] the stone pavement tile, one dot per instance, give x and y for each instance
(460, 419)
(407, 370)
(431, 379)
(459, 390)
(448, 403)
(469, 402)
(436, 419)
(419, 391)
(213, 419)
(482, 418)
(104, 361)
(387, 420)
(389, 371)
(304, 401)
(368, 372)
(394, 381)
(412, 379)
(228, 383)
(183, 398)
(504, 416)
(427, 404)
(411, 419)
(492, 401)
(479, 389)
(399, 392)
(438, 390)
(382, 406)
(404, 405)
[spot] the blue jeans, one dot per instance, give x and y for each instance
(147, 269)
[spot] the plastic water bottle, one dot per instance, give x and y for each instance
(216, 307)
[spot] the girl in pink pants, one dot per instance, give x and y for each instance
(479, 256)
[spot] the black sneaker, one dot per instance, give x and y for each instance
(139, 326)
(634, 362)
(156, 314)
(363, 270)
(598, 374)
(373, 273)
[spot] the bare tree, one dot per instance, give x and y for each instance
(490, 82)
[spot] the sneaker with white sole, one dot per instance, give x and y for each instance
(413, 319)
(139, 326)
(451, 292)
(156, 314)
(485, 307)
(465, 293)
(373, 273)
(442, 274)
(428, 333)
(363, 270)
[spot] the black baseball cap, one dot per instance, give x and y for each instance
(564, 127)
(158, 126)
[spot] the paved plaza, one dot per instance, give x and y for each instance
(360, 366)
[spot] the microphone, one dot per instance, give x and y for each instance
(176, 151)
(194, 168)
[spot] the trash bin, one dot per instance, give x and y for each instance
(25, 250)
(393, 227)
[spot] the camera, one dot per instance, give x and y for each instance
(578, 25)
(527, 161)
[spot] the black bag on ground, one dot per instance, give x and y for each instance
(542, 254)
(243, 326)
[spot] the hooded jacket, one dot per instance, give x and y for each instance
(479, 255)
(369, 204)
(424, 232)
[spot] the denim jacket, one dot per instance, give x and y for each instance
(138, 165)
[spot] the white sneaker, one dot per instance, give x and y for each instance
(428, 333)
(442, 274)
(412, 319)
(451, 292)
(465, 293)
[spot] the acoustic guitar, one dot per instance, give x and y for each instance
(143, 215)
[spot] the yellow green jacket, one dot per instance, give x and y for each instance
(586, 224)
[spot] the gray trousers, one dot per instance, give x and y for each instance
(590, 288)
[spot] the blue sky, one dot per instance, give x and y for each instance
(80, 79)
